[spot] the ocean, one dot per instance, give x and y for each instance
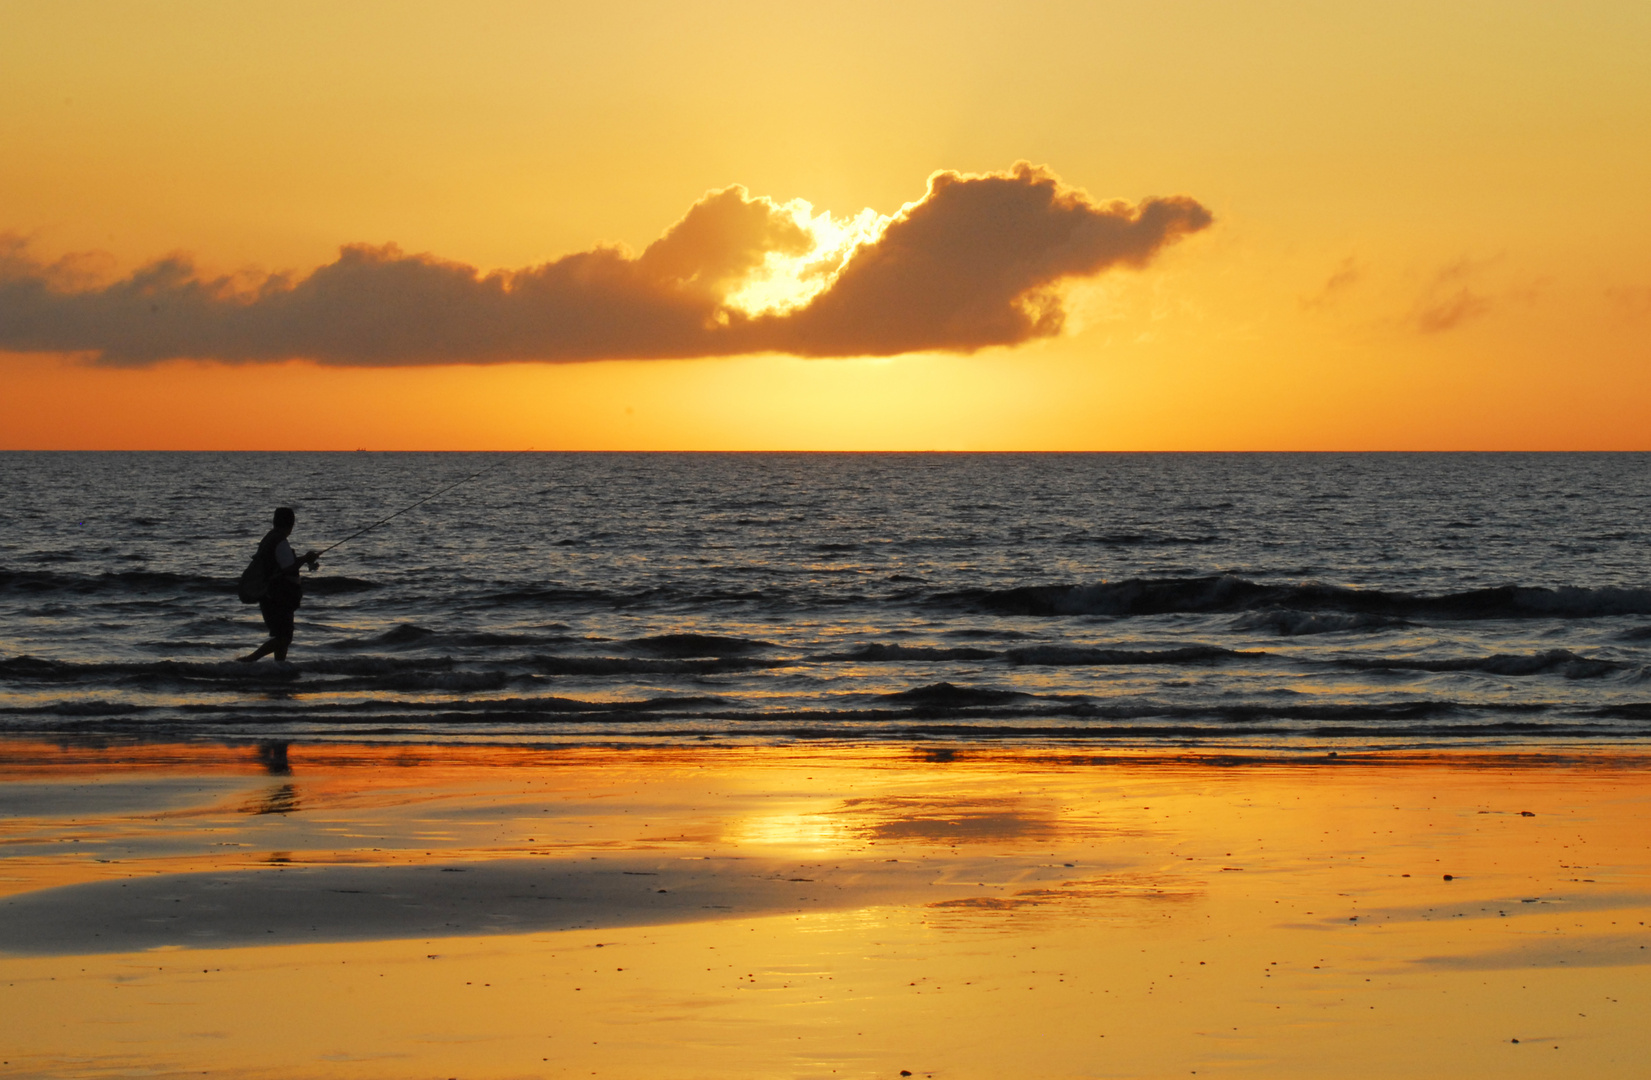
(1135, 600)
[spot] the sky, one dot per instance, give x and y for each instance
(741, 226)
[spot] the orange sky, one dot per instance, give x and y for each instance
(1430, 226)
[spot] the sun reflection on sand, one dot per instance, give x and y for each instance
(803, 831)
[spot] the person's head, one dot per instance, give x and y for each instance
(284, 518)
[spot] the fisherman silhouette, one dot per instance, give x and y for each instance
(286, 590)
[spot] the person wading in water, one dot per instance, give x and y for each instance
(286, 590)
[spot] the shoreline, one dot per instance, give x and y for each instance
(32, 751)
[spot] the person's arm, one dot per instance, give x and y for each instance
(291, 569)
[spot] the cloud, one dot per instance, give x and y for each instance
(977, 262)
(1347, 274)
(1632, 303)
(1448, 312)
(1450, 299)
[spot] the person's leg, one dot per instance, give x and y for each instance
(260, 652)
(281, 633)
(273, 621)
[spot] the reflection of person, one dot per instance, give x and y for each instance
(286, 591)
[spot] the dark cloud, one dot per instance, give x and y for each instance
(976, 262)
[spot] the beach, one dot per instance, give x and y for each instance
(726, 766)
(852, 910)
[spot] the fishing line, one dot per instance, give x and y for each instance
(415, 506)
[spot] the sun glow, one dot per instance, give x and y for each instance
(787, 282)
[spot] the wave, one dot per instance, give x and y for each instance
(332, 585)
(1136, 539)
(1304, 623)
(1628, 710)
(939, 710)
(877, 651)
(1561, 662)
(550, 595)
(139, 581)
(1228, 594)
(693, 645)
(626, 665)
(405, 634)
(1552, 661)
(412, 673)
(341, 671)
(1076, 655)
(79, 707)
(946, 695)
(361, 672)
(413, 635)
(554, 596)
(145, 582)
(364, 666)
(378, 711)
(961, 701)
(453, 681)
(35, 669)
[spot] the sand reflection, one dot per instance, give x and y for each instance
(830, 911)
(949, 821)
(280, 799)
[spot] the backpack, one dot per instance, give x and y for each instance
(257, 578)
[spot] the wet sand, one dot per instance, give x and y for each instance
(821, 911)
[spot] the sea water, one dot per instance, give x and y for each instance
(1244, 600)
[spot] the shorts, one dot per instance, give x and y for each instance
(278, 617)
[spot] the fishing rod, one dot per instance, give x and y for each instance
(415, 506)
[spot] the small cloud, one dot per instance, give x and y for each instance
(1448, 312)
(1630, 303)
(1450, 299)
(1347, 274)
(980, 260)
